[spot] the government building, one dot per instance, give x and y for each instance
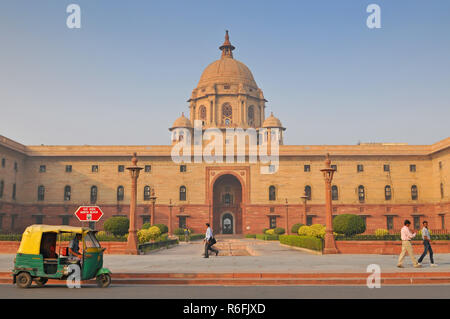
(384, 183)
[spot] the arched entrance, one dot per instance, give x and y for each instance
(227, 212)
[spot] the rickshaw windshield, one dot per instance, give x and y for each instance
(91, 241)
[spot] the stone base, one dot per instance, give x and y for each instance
(330, 244)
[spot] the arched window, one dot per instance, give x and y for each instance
(442, 190)
(334, 193)
(120, 193)
(182, 192)
(251, 115)
(414, 192)
(361, 193)
(387, 192)
(308, 192)
(202, 113)
(67, 193)
(147, 192)
(2, 187)
(94, 194)
(272, 193)
(227, 114)
(41, 192)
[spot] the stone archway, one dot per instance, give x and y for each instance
(227, 199)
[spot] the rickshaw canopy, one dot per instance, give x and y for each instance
(31, 238)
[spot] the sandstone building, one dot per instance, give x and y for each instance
(384, 183)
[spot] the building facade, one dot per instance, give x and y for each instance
(384, 183)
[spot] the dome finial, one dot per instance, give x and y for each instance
(226, 47)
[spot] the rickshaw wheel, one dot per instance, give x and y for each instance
(103, 280)
(40, 281)
(24, 280)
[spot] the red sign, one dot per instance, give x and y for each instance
(89, 213)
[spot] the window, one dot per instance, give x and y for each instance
(67, 193)
(360, 168)
(272, 193)
(42, 169)
(440, 165)
(272, 222)
(148, 168)
(227, 199)
(183, 193)
(389, 222)
(145, 219)
(65, 220)
(308, 192)
(251, 115)
(3, 162)
(309, 220)
(412, 167)
(68, 168)
(386, 168)
(416, 222)
(182, 222)
(387, 192)
(442, 190)
(94, 168)
(361, 193)
(2, 187)
(202, 113)
(38, 219)
(306, 168)
(227, 114)
(182, 168)
(334, 193)
(442, 221)
(334, 167)
(94, 192)
(414, 193)
(41, 192)
(120, 168)
(120, 193)
(16, 168)
(14, 192)
(147, 192)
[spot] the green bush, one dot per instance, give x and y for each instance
(279, 231)
(266, 236)
(146, 226)
(146, 235)
(118, 226)
(381, 232)
(250, 235)
(264, 230)
(180, 231)
(10, 237)
(270, 232)
(349, 224)
(295, 228)
(316, 230)
(308, 242)
(163, 228)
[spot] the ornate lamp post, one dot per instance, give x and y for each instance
(132, 237)
(170, 217)
(304, 198)
(153, 201)
(287, 217)
(328, 172)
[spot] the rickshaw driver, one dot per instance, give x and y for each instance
(74, 247)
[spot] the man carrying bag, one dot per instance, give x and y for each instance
(209, 242)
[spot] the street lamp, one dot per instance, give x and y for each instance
(170, 217)
(304, 198)
(328, 172)
(153, 201)
(132, 237)
(287, 217)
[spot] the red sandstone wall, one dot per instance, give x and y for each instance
(11, 247)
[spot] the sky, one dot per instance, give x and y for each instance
(127, 73)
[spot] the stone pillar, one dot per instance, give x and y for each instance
(132, 242)
(287, 217)
(330, 244)
(153, 201)
(170, 217)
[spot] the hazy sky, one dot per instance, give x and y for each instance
(125, 76)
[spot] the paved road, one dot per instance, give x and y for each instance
(245, 292)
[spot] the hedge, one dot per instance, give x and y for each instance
(118, 225)
(191, 237)
(388, 237)
(10, 237)
(295, 228)
(349, 224)
(266, 237)
(307, 242)
(157, 244)
(250, 235)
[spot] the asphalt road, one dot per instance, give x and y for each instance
(235, 292)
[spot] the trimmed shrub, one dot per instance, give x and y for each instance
(279, 231)
(264, 230)
(146, 235)
(270, 232)
(266, 236)
(163, 228)
(250, 235)
(179, 231)
(381, 232)
(295, 228)
(118, 226)
(10, 237)
(316, 230)
(308, 242)
(146, 226)
(349, 224)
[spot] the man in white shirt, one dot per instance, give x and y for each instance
(426, 244)
(406, 236)
(208, 244)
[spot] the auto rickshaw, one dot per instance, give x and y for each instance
(42, 256)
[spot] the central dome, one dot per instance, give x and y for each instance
(227, 70)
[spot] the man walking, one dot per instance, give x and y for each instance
(406, 236)
(209, 242)
(426, 244)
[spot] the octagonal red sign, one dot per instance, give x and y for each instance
(88, 213)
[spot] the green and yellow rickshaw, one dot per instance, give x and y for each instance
(44, 254)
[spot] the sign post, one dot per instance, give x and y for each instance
(89, 213)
